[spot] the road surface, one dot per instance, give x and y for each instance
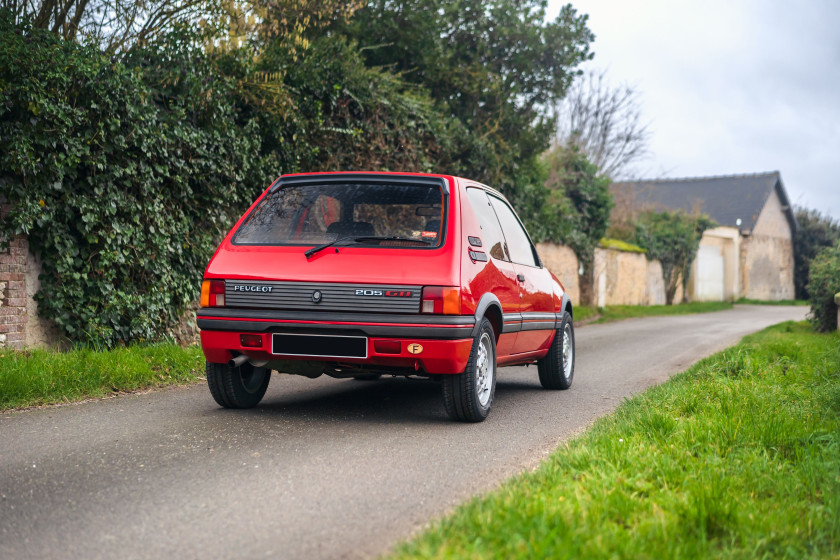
(322, 468)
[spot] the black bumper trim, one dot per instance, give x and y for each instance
(397, 326)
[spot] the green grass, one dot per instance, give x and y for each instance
(738, 457)
(585, 312)
(39, 377)
(618, 312)
(780, 302)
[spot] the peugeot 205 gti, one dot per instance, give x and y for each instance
(363, 274)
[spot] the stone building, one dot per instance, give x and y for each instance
(750, 253)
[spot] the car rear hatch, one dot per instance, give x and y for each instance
(341, 242)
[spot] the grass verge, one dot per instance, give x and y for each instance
(738, 457)
(37, 377)
(780, 302)
(618, 312)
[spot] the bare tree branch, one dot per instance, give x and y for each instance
(604, 122)
(116, 25)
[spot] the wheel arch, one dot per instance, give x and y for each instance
(566, 305)
(490, 307)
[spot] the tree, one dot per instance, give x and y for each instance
(117, 25)
(815, 233)
(113, 24)
(823, 284)
(605, 122)
(344, 115)
(582, 220)
(493, 66)
(672, 238)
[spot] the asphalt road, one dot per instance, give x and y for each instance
(323, 468)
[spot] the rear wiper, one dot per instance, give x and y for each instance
(314, 250)
(362, 239)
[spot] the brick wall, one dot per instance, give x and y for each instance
(13, 261)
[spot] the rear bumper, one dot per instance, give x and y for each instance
(445, 327)
(446, 341)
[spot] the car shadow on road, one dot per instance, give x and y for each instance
(387, 400)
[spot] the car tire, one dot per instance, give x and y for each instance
(468, 396)
(237, 387)
(557, 369)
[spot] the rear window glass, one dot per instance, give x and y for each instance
(399, 215)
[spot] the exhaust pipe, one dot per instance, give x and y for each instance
(238, 361)
(242, 359)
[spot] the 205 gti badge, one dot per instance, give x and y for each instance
(361, 292)
(386, 293)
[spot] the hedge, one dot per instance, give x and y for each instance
(823, 284)
(122, 174)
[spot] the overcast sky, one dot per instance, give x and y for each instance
(731, 87)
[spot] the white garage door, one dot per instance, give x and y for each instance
(709, 274)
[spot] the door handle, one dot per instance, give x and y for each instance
(520, 277)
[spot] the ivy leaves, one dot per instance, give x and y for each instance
(124, 184)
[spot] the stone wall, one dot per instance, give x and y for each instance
(656, 285)
(837, 303)
(767, 265)
(767, 255)
(562, 261)
(621, 278)
(13, 316)
(39, 331)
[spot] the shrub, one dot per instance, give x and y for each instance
(123, 175)
(673, 238)
(585, 216)
(823, 284)
(815, 232)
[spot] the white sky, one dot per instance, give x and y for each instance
(730, 87)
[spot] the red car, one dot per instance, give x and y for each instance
(360, 274)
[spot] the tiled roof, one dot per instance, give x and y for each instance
(725, 199)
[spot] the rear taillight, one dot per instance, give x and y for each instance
(441, 300)
(213, 293)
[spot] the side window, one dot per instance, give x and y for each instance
(490, 228)
(519, 246)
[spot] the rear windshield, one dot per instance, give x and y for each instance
(391, 215)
